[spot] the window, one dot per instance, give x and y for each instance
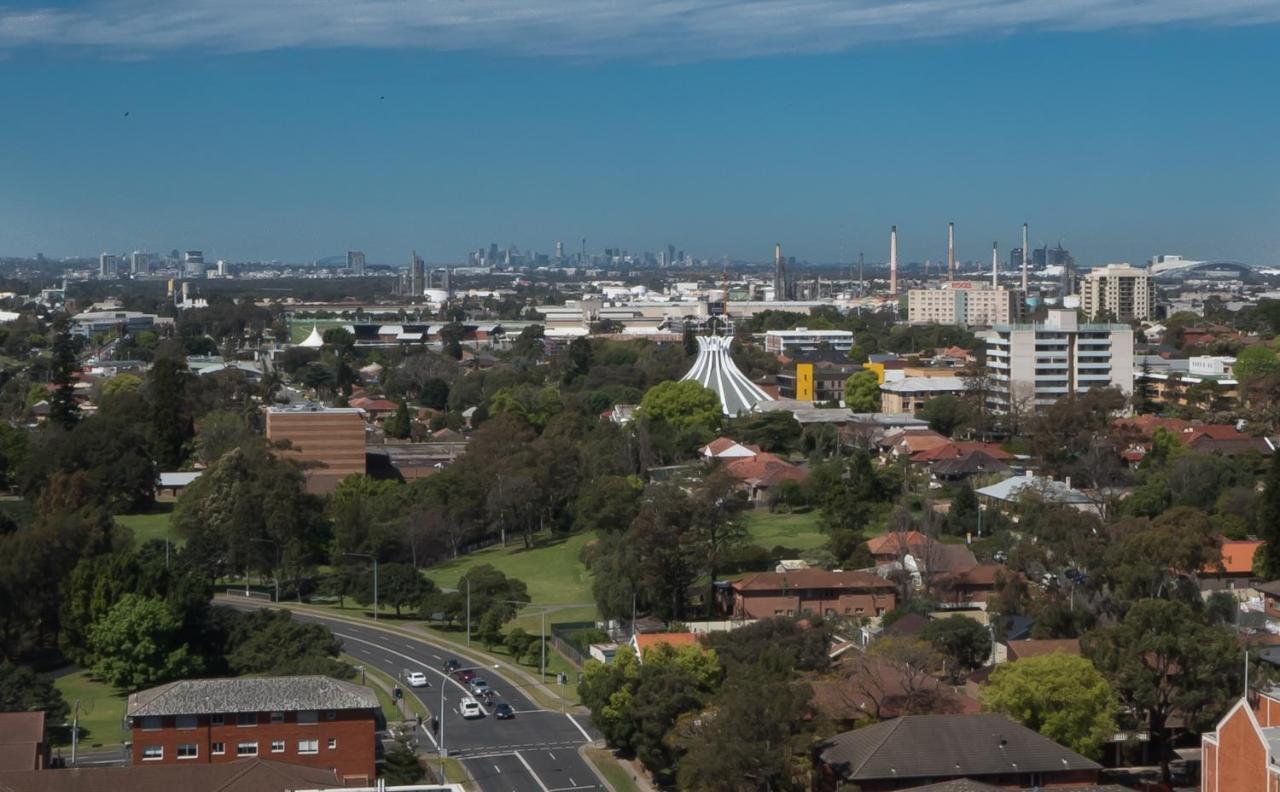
(308, 746)
(277, 746)
(277, 717)
(306, 716)
(217, 720)
(217, 748)
(333, 743)
(152, 723)
(247, 749)
(330, 714)
(188, 751)
(247, 719)
(151, 753)
(186, 721)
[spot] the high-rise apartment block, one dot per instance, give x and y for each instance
(1034, 365)
(355, 262)
(1121, 292)
(140, 262)
(108, 265)
(965, 303)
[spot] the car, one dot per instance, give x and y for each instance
(465, 676)
(478, 686)
(451, 665)
(470, 708)
(417, 679)
(503, 711)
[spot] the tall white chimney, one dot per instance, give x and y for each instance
(1026, 254)
(995, 265)
(951, 251)
(893, 261)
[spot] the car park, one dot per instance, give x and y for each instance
(417, 679)
(470, 708)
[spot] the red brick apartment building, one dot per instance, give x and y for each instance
(330, 437)
(816, 591)
(314, 721)
(1243, 754)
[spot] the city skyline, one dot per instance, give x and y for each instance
(1123, 139)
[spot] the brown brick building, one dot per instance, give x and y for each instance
(815, 591)
(1243, 754)
(313, 721)
(332, 438)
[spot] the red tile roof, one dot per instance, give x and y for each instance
(1237, 557)
(646, 641)
(764, 468)
(812, 579)
(888, 543)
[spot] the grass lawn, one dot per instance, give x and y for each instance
(618, 776)
(798, 531)
(102, 709)
(151, 524)
(551, 569)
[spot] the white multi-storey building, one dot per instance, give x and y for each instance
(1122, 292)
(1036, 364)
(965, 303)
(802, 339)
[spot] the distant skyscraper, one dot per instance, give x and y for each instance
(108, 266)
(193, 264)
(1015, 259)
(417, 275)
(224, 269)
(355, 262)
(779, 274)
(560, 250)
(139, 262)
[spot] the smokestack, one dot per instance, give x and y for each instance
(995, 266)
(893, 261)
(1026, 253)
(951, 251)
(779, 274)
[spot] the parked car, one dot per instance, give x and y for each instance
(478, 687)
(451, 665)
(417, 679)
(503, 711)
(470, 708)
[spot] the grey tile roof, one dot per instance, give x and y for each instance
(938, 746)
(252, 694)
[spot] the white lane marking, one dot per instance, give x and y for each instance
(585, 736)
(541, 785)
(406, 657)
(572, 783)
(430, 736)
(497, 770)
(438, 657)
(553, 758)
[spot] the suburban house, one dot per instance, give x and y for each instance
(761, 473)
(644, 642)
(968, 588)
(22, 745)
(724, 448)
(1243, 753)
(1008, 494)
(314, 721)
(867, 687)
(914, 750)
(814, 591)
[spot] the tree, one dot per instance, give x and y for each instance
(492, 592)
(398, 424)
(862, 392)
(434, 394)
(401, 766)
(947, 414)
(683, 405)
(21, 690)
(911, 688)
(1162, 658)
(518, 643)
(273, 642)
(489, 630)
(579, 359)
(1149, 559)
(964, 517)
(689, 342)
(608, 503)
(964, 642)
(1269, 561)
(401, 586)
(1255, 363)
(64, 411)
(1061, 696)
(171, 424)
(220, 431)
(137, 644)
(451, 336)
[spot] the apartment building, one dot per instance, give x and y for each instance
(965, 303)
(1121, 292)
(802, 339)
(314, 721)
(332, 437)
(1036, 364)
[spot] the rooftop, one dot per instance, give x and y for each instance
(926, 385)
(249, 775)
(260, 694)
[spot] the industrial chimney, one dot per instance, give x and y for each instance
(779, 275)
(1026, 253)
(951, 251)
(995, 265)
(893, 261)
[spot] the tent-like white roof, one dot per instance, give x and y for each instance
(714, 368)
(313, 341)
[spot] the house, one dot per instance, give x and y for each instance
(376, 409)
(1029, 647)
(912, 440)
(1243, 753)
(1008, 494)
(889, 547)
(245, 775)
(910, 394)
(960, 450)
(815, 591)
(976, 463)
(314, 721)
(22, 743)
(724, 448)
(759, 474)
(1236, 559)
(867, 687)
(644, 642)
(910, 751)
(968, 588)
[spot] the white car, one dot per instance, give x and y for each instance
(416, 679)
(470, 708)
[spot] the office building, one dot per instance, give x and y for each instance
(355, 262)
(802, 339)
(333, 437)
(1118, 291)
(108, 266)
(314, 721)
(417, 275)
(140, 263)
(965, 303)
(193, 264)
(1035, 364)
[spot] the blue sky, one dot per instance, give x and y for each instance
(718, 127)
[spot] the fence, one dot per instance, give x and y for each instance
(264, 596)
(570, 639)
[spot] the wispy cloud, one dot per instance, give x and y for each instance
(664, 29)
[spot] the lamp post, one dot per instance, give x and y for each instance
(374, 559)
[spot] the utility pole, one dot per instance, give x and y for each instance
(468, 579)
(75, 732)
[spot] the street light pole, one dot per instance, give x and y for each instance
(468, 579)
(374, 559)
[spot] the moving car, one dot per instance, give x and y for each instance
(417, 679)
(465, 676)
(503, 711)
(470, 708)
(479, 687)
(451, 665)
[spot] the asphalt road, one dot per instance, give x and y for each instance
(536, 751)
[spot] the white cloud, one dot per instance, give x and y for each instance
(662, 29)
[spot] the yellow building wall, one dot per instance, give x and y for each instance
(878, 369)
(804, 381)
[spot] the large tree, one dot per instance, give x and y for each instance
(1269, 558)
(171, 424)
(21, 690)
(1062, 696)
(964, 642)
(64, 410)
(862, 392)
(137, 643)
(684, 405)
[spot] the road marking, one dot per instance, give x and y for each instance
(541, 785)
(438, 657)
(430, 736)
(497, 770)
(553, 758)
(585, 736)
(406, 657)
